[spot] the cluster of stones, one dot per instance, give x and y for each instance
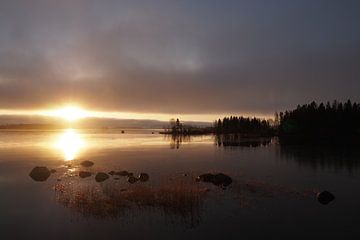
(102, 176)
(41, 174)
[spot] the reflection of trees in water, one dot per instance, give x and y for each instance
(178, 200)
(177, 139)
(235, 140)
(323, 156)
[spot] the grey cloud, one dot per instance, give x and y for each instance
(179, 57)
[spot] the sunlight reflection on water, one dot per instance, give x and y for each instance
(71, 143)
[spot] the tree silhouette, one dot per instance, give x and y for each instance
(322, 120)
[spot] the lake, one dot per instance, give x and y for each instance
(272, 194)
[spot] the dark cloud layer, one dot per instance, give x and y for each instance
(178, 56)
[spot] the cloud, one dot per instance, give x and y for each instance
(178, 57)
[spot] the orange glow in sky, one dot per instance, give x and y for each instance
(73, 112)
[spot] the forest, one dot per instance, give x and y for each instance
(243, 126)
(320, 120)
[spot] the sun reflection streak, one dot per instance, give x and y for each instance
(70, 142)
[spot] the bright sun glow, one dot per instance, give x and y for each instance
(71, 113)
(70, 142)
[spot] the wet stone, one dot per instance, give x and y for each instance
(84, 174)
(132, 179)
(325, 197)
(143, 177)
(218, 179)
(122, 173)
(86, 163)
(40, 174)
(101, 176)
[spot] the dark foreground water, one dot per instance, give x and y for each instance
(272, 194)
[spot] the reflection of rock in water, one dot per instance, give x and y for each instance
(235, 140)
(40, 174)
(176, 199)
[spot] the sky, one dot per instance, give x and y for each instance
(199, 59)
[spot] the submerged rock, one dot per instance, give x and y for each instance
(84, 174)
(132, 179)
(325, 197)
(221, 179)
(218, 179)
(86, 163)
(40, 174)
(101, 176)
(143, 177)
(207, 177)
(122, 173)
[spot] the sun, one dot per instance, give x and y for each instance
(71, 113)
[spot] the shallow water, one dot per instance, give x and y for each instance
(272, 194)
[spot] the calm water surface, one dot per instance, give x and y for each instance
(272, 194)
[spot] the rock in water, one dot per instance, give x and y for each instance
(101, 176)
(132, 179)
(207, 177)
(325, 197)
(143, 177)
(52, 171)
(122, 173)
(221, 179)
(86, 163)
(84, 174)
(40, 174)
(218, 179)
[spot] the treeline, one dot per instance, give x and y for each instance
(176, 127)
(243, 126)
(323, 120)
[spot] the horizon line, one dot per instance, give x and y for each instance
(134, 115)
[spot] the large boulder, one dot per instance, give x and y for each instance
(101, 176)
(86, 163)
(218, 179)
(325, 197)
(40, 174)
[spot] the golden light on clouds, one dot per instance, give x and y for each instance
(73, 112)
